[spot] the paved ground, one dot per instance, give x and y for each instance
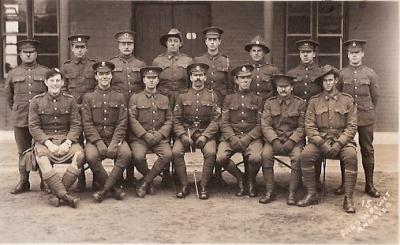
(223, 218)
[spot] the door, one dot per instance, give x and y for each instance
(151, 20)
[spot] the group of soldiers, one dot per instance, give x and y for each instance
(121, 109)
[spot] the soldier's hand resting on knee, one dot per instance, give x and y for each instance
(235, 143)
(64, 148)
(102, 148)
(51, 146)
(158, 137)
(201, 141)
(326, 147)
(149, 138)
(288, 146)
(186, 140)
(335, 149)
(112, 149)
(245, 141)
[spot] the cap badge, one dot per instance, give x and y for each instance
(103, 63)
(257, 42)
(306, 44)
(79, 39)
(354, 44)
(126, 34)
(198, 68)
(243, 68)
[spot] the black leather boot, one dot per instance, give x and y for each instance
(71, 200)
(340, 189)
(23, 184)
(309, 199)
(99, 196)
(235, 171)
(369, 181)
(348, 205)
(203, 195)
(141, 188)
(118, 193)
(183, 192)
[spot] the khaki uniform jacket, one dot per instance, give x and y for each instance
(241, 114)
(283, 118)
(198, 112)
(362, 83)
(218, 74)
(54, 118)
(22, 84)
(79, 77)
(149, 113)
(174, 77)
(262, 84)
(126, 75)
(104, 116)
(304, 84)
(331, 117)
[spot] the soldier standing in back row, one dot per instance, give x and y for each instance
(79, 79)
(218, 78)
(262, 84)
(304, 84)
(174, 77)
(127, 79)
(361, 82)
(22, 84)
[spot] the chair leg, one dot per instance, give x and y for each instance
(323, 179)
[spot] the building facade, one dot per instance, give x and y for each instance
(281, 24)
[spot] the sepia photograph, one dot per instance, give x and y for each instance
(203, 122)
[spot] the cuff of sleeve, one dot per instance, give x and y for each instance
(318, 140)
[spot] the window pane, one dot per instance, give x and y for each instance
(48, 44)
(14, 16)
(330, 8)
(329, 45)
(331, 60)
(48, 60)
(45, 16)
(330, 17)
(299, 7)
(11, 59)
(292, 61)
(299, 24)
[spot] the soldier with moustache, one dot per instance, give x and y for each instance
(126, 78)
(174, 77)
(79, 79)
(362, 83)
(104, 117)
(261, 84)
(330, 126)
(22, 84)
(241, 131)
(304, 85)
(55, 125)
(218, 78)
(196, 119)
(282, 124)
(150, 121)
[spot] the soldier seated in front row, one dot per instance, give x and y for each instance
(282, 124)
(241, 131)
(150, 122)
(330, 125)
(55, 125)
(104, 117)
(196, 119)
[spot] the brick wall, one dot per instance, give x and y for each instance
(241, 21)
(378, 24)
(100, 20)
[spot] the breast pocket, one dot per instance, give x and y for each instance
(162, 108)
(19, 84)
(114, 112)
(144, 112)
(206, 109)
(252, 113)
(97, 113)
(363, 88)
(46, 115)
(38, 85)
(322, 116)
(187, 107)
(234, 113)
(65, 113)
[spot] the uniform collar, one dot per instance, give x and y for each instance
(125, 57)
(30, 65)
(149, 94)
(257, 63)
(285, 100)
(173, 56)
(309, 66)
(245, 92)
(333, 96)
(213, 56)
(53, 98)
(79, 60)
(103, 91)
(356, 67)
(195, 91)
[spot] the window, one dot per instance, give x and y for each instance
(21, 19)
(321, 21)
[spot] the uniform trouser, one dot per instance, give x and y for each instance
(268, 163)
(311, 154)
(365, 139)
(178, 161)
(24, 141)
(139, 151)
(121, 161)
(252, 155)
